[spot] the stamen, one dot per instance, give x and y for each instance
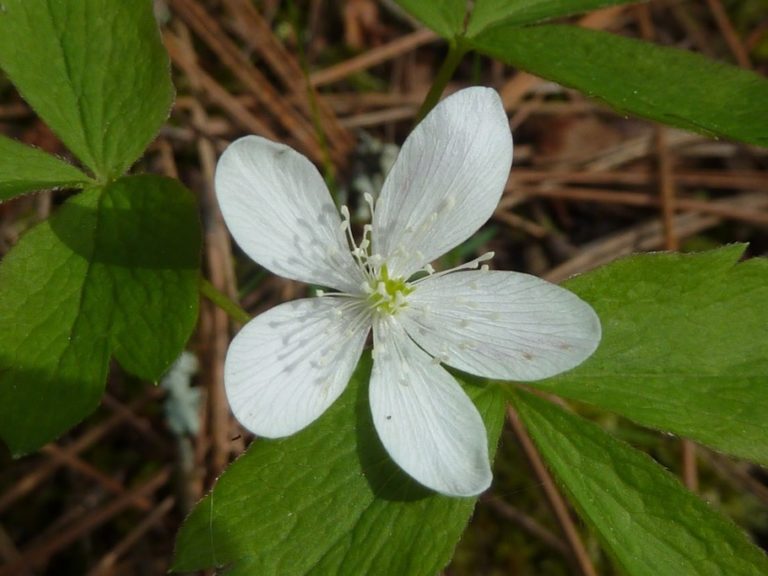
(471, 265)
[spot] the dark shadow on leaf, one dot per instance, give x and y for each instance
(139, 222)
(39, 404)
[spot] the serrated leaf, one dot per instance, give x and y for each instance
(683, 348)
(445, 17)
(489, 13)
(644, 517)
(94, 70)
(114, 271)
(328, 501)
(25, 169)
(671, 86)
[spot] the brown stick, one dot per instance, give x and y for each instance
(645, 236)
(722, 208)
(528, 524)
(256, 32)
(731, 37)
(554, 498)
(214, 91)
(230, 55)
(107, 563)
(746, 180)
(38, 554)
(109, 484)
(666, 189)
(373, 57)
(43, 471)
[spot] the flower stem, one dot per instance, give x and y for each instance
(223, 301)
(456, 52)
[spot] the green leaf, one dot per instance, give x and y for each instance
(644, 517)
(446, 17)
(114, 271)
(94, 70)
(24, 169)
(683, 348)
(664, 84)
(488, 13)
(329, 501)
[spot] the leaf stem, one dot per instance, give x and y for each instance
(456, 51)
(223, 301)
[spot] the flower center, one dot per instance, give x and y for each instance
(388, 295)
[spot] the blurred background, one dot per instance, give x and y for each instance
(341, 82)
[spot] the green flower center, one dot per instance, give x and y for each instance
(388, 295)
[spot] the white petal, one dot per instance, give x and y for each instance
(426, 422)
(445, 183)
(501, 325)
(289, 364)
(279, 211)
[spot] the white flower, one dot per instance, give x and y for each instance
(288, 365)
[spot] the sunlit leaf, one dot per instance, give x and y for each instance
(94, 70)
(114, 271)
(683, 349)
(489, 13)
(24, 169)
(647, 520)
(445, 17)
(328, 500)
(668, 85)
